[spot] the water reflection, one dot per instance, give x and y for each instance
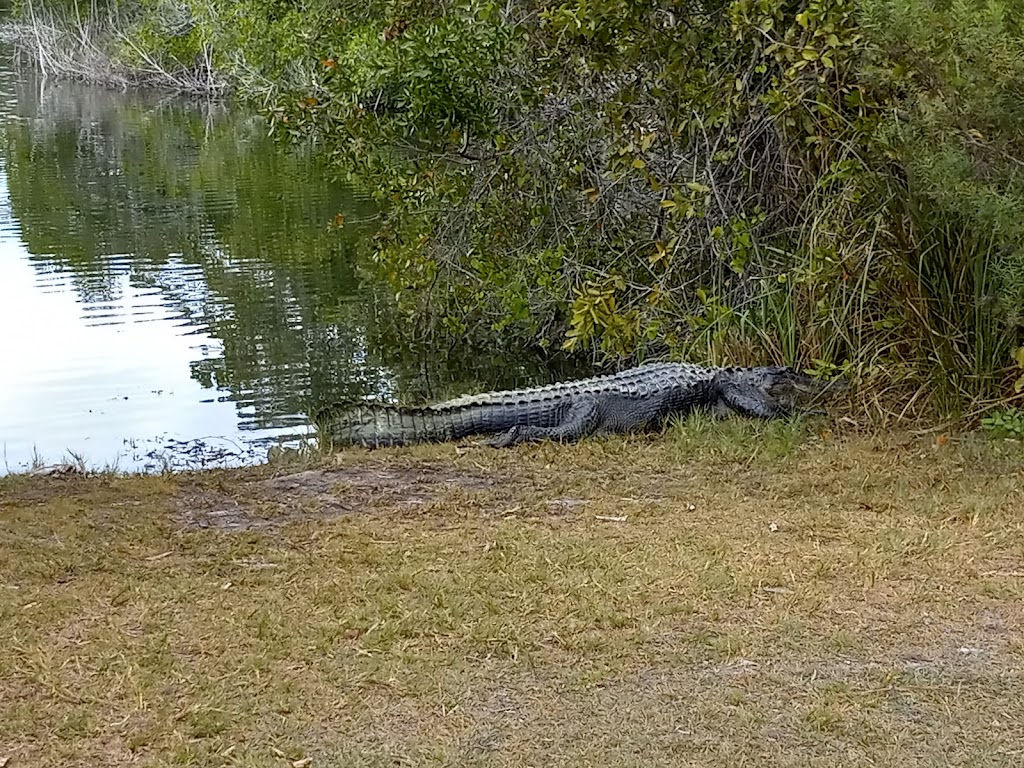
(168, 274)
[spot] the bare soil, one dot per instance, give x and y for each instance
(321, 494)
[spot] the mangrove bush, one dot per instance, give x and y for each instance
(831, 183)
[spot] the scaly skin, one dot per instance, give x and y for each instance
(635, 399)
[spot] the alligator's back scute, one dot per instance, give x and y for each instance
(641, 379)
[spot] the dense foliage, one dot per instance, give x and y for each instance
(833, 183)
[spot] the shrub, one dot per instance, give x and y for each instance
(829, 183)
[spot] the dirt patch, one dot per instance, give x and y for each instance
(321, 494)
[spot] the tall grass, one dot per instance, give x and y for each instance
(951, 297)
(903, 299)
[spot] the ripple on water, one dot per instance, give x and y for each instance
(162, 266)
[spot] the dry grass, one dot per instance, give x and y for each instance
(748, 595)
(102, 50)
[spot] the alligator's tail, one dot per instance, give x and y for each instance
(377, 425)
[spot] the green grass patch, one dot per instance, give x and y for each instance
(740, 439)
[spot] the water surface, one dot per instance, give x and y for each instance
(173, 292)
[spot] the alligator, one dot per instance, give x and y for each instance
(637, 399)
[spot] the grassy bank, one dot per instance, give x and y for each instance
(759, 594)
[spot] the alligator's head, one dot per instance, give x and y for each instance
(786, 385)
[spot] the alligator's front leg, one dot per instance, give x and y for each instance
(580, 420)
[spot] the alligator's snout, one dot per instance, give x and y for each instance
(783, 382)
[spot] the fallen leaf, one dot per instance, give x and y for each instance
(302, 763)
(611, 518)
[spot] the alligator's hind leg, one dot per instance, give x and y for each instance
(749, 400)
(580, 420)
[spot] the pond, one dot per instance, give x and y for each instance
(173, 293)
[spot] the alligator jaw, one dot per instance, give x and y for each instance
(796, 388)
